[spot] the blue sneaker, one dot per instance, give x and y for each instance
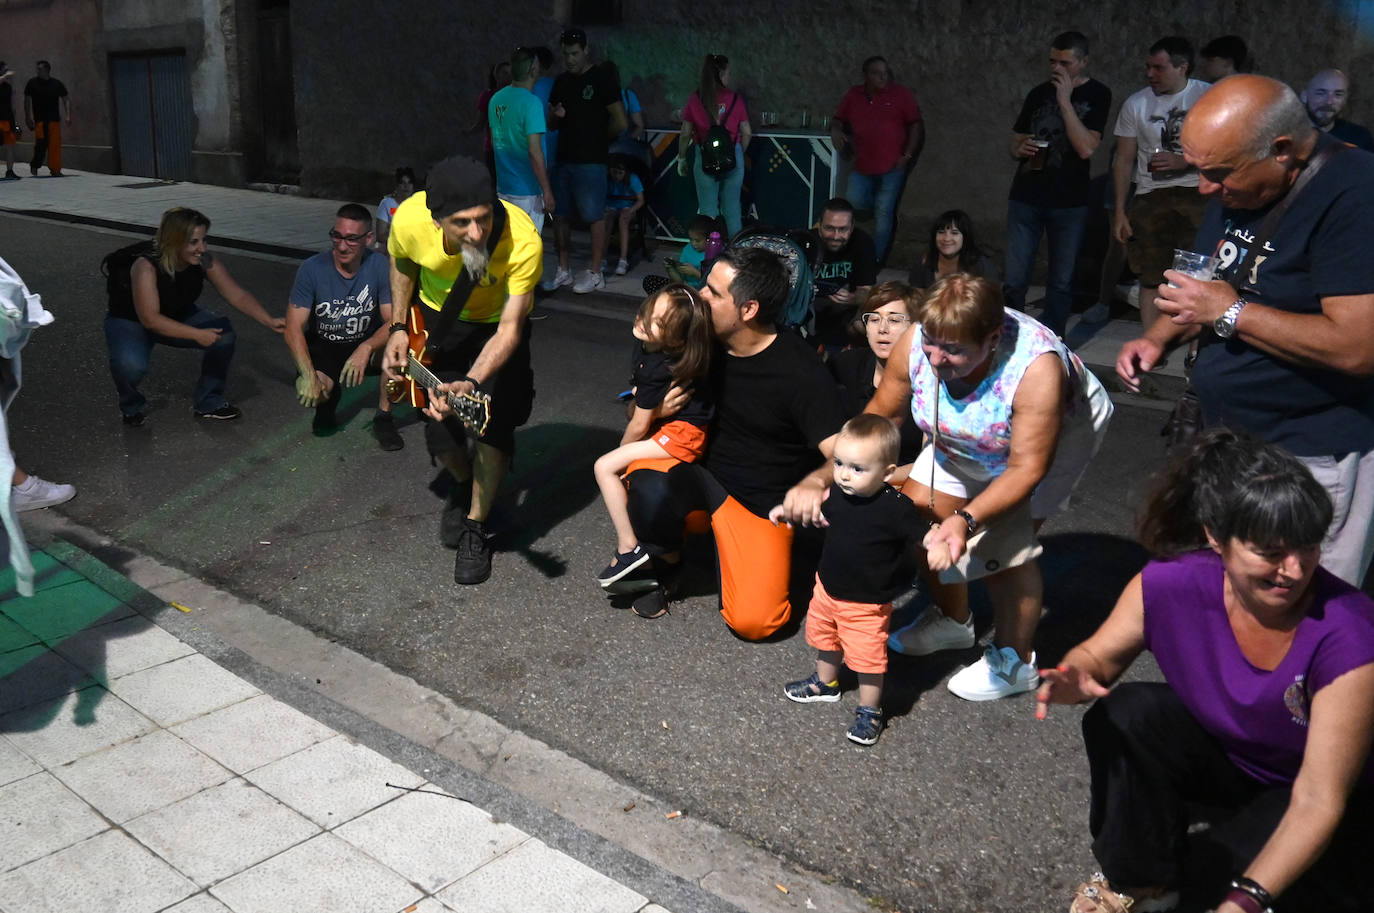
(868, 725)
(811, 690)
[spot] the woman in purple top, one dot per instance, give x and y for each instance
(1267, 709)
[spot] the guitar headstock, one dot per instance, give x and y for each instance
(472, 409)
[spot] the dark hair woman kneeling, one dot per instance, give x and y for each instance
(1267, 708)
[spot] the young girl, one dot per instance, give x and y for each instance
(673, 348)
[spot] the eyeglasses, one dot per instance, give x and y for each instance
(347, 239)
(895, 321)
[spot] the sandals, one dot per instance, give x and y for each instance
(1096, 896)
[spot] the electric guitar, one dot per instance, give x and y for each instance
(419, 383)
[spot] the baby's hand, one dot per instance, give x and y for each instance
(775, 516)
(938, 555)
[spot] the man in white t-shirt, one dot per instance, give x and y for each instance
(1166, 210)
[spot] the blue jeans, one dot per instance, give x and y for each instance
(720, 195)
(879, 193)
(1064, 227)
(131, 345)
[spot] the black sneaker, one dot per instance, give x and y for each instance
(225, 413)
(868, 725)
(135, 420)
(623, 564)
(811, 690)
(384, 430)
(472, 564)
(653, 604)
(10, 176)
(325, 419)
(454, 519)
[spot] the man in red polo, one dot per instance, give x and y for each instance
(881, 122)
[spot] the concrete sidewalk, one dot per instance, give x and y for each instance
(137, 774)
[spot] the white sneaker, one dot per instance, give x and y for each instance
(1098, 313)
(589, 282)
(557, 280)
(622, 267)
(932, 632)
(35, 493)
(1000, 673)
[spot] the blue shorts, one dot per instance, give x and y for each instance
(581, 191)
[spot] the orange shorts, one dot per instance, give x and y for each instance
(7, 134)
(856, 629)
(681, 440)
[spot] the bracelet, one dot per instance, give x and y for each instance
(1253, 889)
(397, 327)
(1244, 901)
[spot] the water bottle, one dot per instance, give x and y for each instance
(714, 245)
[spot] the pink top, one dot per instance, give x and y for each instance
(694, 112)
(879, 125)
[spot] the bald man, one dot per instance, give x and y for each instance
(1325, 98)
(1286, 352)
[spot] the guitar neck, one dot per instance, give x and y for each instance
(422, 375)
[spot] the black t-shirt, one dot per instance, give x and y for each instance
(773, 410)
(1353, 134)
(1320, 249)
(45, 93)
(584, 132)
(864, 558)
(7, 102)
(176, 295)
(852, 266)
(853, 371)
(651, 374)
(1063, 182)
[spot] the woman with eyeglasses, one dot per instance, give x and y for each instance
(715, 103)
(1013, 418)
(157, 305)
(888, 311)
(952, 248)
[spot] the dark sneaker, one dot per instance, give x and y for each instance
(472, 564)
(636, 580)
(133, 421)
(653, 604)
(384, 430)
(10, 176)
(811, 690)
(868, 725)
(325, 419)
(455, 516)
(225, 413)
(622, 565)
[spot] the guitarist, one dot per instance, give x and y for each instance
(473, 261)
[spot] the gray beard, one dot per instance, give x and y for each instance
(475, 261)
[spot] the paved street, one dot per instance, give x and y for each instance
(958, 807)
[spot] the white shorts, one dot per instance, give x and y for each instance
(533, 206)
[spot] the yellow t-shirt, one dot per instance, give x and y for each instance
(514, 269)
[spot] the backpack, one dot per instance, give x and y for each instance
(801, 254)
(718, 150)
(117, 268)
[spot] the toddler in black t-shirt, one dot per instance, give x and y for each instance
(870, 529)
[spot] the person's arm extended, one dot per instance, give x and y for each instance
(1337, 338)
(535, 144)
(637, 428)
(1122, 169)
(1338, 739)
(148, 307)
(404, 275)
(308, 388)
(802, 503)
(502, 345)
(619, 122)
(240, 298)
(1089, 669)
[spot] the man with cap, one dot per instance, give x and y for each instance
(458, 229)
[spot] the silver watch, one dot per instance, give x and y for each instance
(1225, 325)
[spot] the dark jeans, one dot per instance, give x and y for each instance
(1154, 770)
(131, 346)
(1064, 229)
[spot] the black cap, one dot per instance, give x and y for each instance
(456, 184)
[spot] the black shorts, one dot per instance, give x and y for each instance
(329, 357)
(511, 390)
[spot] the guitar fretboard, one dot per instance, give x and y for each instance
(422, 375)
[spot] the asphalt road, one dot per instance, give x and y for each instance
(958, 807)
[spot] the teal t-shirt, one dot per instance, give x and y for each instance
(514, 113)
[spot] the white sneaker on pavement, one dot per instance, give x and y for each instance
(589, 282)
(557, 280)
(1000, 673)
(35, 493)
(622, 267)
(932, 632)
(1098, 313)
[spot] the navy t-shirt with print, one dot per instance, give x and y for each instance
(342, 310)
(1319, 250)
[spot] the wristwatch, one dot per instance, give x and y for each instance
(1225, 325)
(968, 519)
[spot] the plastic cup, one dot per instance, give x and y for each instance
(1196, 265)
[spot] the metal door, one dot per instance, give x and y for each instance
(154, 115)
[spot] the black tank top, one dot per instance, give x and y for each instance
(176, 295)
